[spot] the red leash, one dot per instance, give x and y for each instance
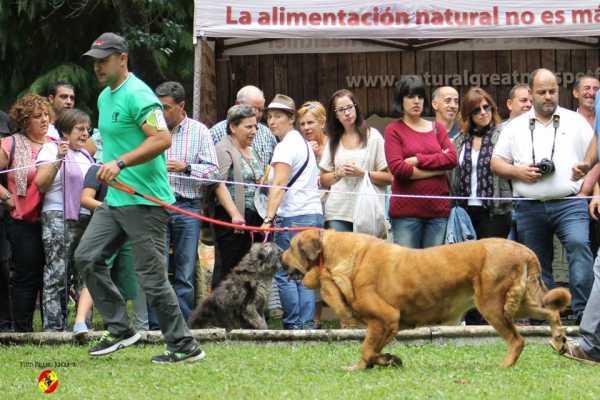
(128, 189)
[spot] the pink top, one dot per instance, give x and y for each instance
(6, 145)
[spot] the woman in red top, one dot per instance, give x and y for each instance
(418, 153)
(30, 117)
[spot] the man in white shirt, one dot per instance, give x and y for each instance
(537, 151)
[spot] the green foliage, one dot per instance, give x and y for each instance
(44, 39)
(300, 371)
(73, 73)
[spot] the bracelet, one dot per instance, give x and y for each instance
(55, 167)
(335, 175)
(6, 197)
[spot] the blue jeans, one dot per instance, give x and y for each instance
(297, 301)
(589, 329)
(184, 232)
(339, 225)
(419, 233)
(512, 235)
(538, 221)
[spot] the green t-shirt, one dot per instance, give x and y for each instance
(122, 113)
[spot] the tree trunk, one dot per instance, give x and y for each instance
(143, 64)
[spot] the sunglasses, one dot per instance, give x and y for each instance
(477, 110)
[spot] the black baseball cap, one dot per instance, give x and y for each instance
(107, 44)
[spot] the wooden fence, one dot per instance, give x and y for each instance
(316, 76)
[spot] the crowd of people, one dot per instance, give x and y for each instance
(520, 179)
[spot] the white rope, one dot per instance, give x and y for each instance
(409, 196)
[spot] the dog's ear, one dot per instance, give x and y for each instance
(310, 246)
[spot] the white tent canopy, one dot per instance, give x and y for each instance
(313, 26)
(421, 19)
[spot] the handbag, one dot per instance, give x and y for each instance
(34, 201)
(368, 215)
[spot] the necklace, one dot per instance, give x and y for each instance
(249, 163)
(31, 140)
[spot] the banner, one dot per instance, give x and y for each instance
(420, 19)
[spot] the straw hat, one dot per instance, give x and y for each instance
(283, 103)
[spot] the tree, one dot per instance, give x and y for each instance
(42, 41)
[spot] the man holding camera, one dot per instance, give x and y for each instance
(537, 151)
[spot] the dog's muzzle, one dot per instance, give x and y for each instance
(293, 273)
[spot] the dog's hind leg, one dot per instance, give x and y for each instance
(499, 314)
(559, 338)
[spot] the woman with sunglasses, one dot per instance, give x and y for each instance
(419, 153)
(473, 178)
(70, 158)
(354, 149)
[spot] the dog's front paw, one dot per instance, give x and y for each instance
(392, 360)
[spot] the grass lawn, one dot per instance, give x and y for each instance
(299, 371)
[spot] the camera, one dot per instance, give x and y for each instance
(545, 166)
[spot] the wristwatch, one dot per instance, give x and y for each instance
(268, 220)
(5, 198)
(120, 163)
(188, 169)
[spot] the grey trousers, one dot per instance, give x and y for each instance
(145, 226)
(589, 330)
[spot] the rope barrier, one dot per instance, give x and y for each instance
(266, 186)
(128, 189)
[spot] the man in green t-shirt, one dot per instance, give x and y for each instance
(135, 137)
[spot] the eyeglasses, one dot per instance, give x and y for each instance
(84, 128)
(343, 110)
(477, 110)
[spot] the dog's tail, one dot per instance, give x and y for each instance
(556, 299)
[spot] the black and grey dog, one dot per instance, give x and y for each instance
(241, 300)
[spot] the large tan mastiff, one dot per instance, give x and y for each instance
(388, 288)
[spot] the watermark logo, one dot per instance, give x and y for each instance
(48, 381)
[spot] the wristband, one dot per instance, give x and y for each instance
(5, 198)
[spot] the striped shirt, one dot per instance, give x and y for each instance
(264, 142)
(191, 143)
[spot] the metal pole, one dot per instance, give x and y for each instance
(197, 77)
(66, 255)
